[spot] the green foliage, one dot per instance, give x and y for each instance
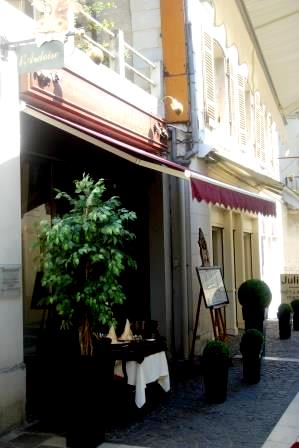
(82, 255)
(215, 351)
(252, 342)
(295, 305)
(97, 10)
(254, 293)
(284, 310)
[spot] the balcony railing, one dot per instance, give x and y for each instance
(292, 182)
(118, 54)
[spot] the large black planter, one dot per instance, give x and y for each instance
(215, 382)
(251, 368)
(284, 324)
(296, 321)
(89, 393)
(254, 318)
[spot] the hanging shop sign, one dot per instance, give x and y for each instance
(32, 58)
(289, 285)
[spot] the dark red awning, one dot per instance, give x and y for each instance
(233, 197)
(203, 187)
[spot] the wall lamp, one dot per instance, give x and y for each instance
(174, 104)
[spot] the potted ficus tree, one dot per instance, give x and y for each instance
(255, 296)
(82, 259)
(215, 364)
(284, 315)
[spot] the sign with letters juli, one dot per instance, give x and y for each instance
(32, 58)
(289, 285)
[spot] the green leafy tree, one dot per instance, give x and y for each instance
(83, 257)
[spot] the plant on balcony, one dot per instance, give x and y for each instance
(284, 315)
(215, 364)
(251, 347)
(295, 308)
(254, 295)
(97, 10)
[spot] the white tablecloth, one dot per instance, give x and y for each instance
(153, 368)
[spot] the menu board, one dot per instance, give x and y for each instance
(211, 282)
(10, 281)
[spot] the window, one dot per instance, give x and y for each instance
(247, 255)
(217, 243)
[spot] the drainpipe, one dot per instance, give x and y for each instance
(184, 273)
(183, 253)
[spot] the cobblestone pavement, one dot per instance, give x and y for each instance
(247, 417)
(183, 420)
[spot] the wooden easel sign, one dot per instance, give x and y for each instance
(211, 282)
(215, 297)
(213, 291)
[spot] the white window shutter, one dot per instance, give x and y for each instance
(269, 148)
(263, 133)
(259, 129)
(209, 79)
(242, 111)
(233, 99)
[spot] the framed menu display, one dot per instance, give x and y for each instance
(213, 289)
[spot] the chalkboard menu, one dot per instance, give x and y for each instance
(211, 282)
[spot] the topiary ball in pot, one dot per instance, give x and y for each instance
(254, 295)
(284, 314)
(295, 308)
(215, 362)
(251, 347)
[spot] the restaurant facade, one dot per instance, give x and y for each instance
(181, 173)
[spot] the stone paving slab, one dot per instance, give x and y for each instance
(183, 419)
(286, 431)
(245, 419)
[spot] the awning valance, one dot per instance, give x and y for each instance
(216, 192)
(203, 187)
(128, 152)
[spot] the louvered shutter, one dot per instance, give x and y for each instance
(242, 111)
(263, 133)
(268, 145)
(251, 118)
(259, 129)
(209, 80)
(233, 98)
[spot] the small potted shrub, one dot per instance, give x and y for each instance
(251, 347)
(284, 314)
(215, 363)
(295, 308)
(254, 296)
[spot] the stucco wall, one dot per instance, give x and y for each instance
(12, 370)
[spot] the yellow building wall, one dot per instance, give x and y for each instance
(175, 58)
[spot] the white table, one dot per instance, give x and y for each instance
(153, 368)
